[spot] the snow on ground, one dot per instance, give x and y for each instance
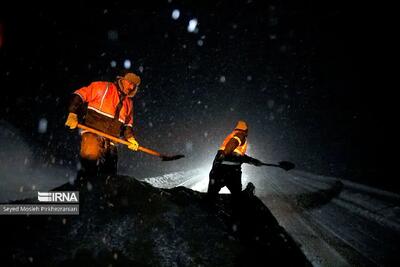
(336, 222)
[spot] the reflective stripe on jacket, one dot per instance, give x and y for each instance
(103, 98)
(240, 149)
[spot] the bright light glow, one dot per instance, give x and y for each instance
(127, 64)
(196, 179)
(201, 181)
(176, 14)
(113, 64)
(224, 190)
(201, 185)
(192, 25)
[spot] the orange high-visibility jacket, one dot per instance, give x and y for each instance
(102, 99)
(240, 149)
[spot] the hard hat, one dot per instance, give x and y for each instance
(241, 125)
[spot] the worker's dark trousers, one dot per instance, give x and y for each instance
(98, 159)
(229, 176)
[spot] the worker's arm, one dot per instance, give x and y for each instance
(252, 161)
(79, 97)
(227, 153)
(74, 107)
(75, 104)
(238, 139)
(128, 129)
(128, 125)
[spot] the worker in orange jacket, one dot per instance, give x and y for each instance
(226, 169)
(107, 107)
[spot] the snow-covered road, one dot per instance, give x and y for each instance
(336, 222)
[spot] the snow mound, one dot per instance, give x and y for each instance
(126, 222)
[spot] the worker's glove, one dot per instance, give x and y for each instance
(72, 121)
(133, 144)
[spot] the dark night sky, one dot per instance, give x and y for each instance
(298, 71)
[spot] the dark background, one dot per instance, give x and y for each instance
(307, 77)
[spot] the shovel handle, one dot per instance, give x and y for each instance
(286, 165)
(118, 140)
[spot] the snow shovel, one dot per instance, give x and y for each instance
(140, 148)
(286, 165)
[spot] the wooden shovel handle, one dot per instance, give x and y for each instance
(118, 140)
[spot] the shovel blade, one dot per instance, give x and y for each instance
(286, 165)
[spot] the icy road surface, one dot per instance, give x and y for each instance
(336, 222)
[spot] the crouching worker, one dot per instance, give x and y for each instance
(107, 107)
(226, 169)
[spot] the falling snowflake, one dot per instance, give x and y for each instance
(192, 25)
(42, 128)
(127, 64)
(175, 14)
